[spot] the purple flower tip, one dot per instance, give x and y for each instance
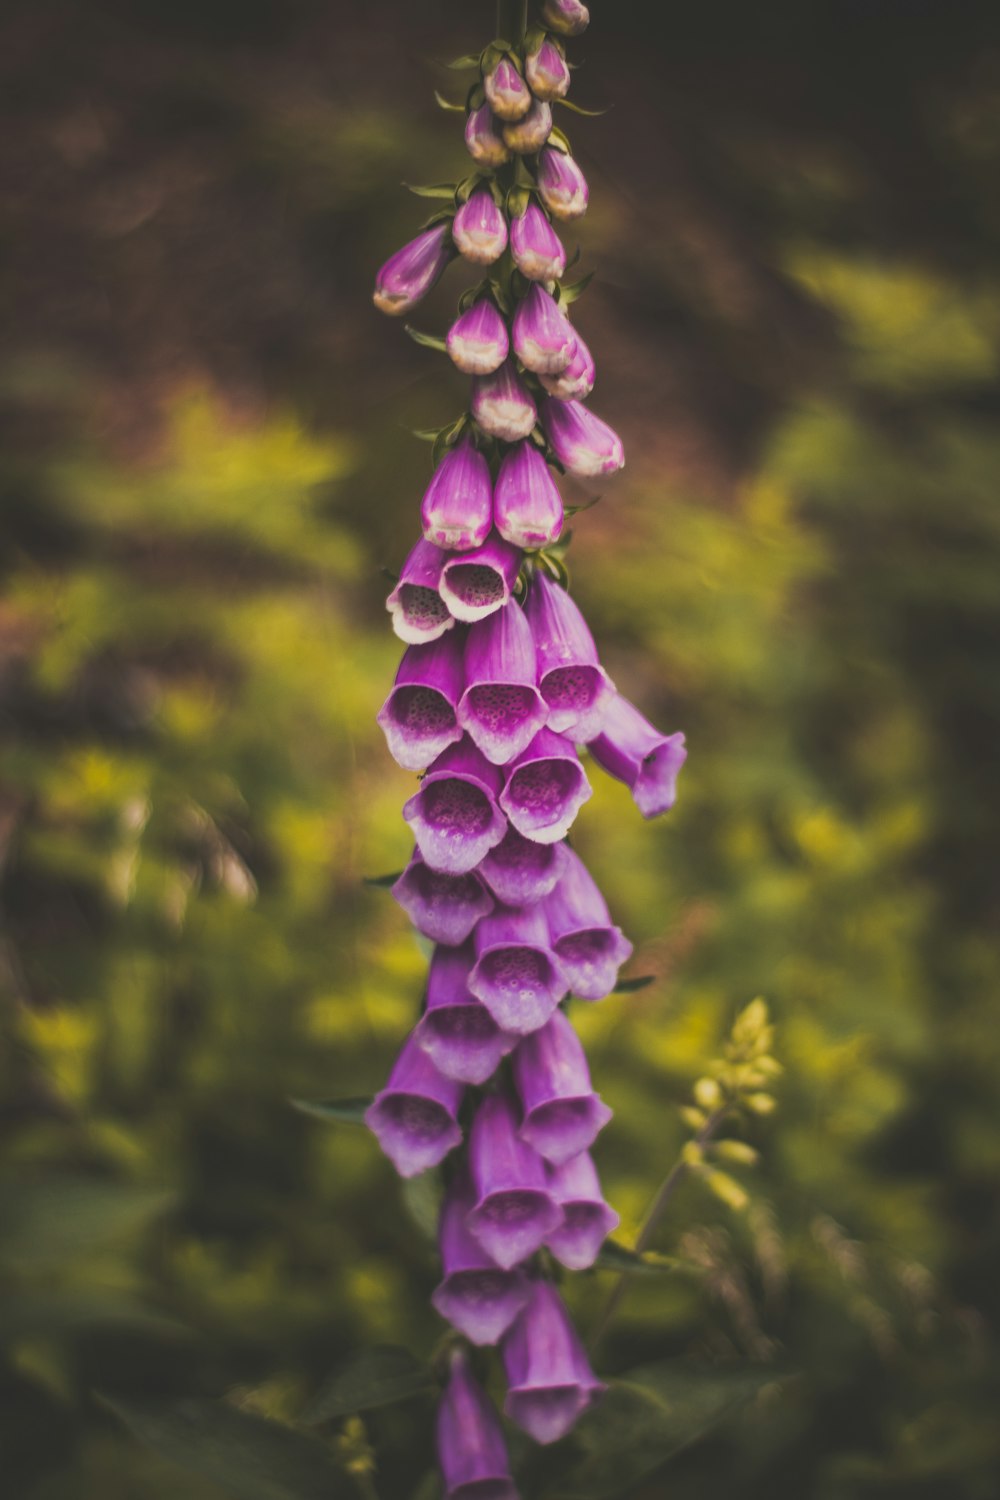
(482, 139)
(588, 1219)
(418, 717)
(477, 1296)
(470, 1445)
(456, 1030)
(543, 336)
(561, 184)
(454, 815)
(550, 1382)
(562, 1114)
(514, 1211)
(457, 508)
(501, 404)
(477, 341)
(414, 1116)
(444, 908)
(589, 947)
(506, 91)
(536, 248)
(631, 750)
(480, 229)
(567, 17)
(581, 442)
(545, 789)
(419, 613)
(547, 71)
(501, 708)
(409, 275)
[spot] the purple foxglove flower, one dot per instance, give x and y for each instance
(480, 229)
(536, 248)
(528, 507)
(456, 1030)
(475, 584)
(454, 816)
(418, 611)
(631, 750)
(470, 1445)
(477, 341)
(444, 908)
(562, 1114)
(561, 184)
(457, 509)
(519, 871)
(581, 442)
(578, 1240)
(418, 717)
(482, 139)
(588, 945)
(570, 677)
(477, 1296)
(515, 974)
(415, 1115)
(501, 404)
(543, 337)
(514, 1211)
(546, 787)
(529, 134)
(577, 380)
(550, 1383)
(501, 709)
(409, 275)
(567, 17)
(547, 71)
(507, 94)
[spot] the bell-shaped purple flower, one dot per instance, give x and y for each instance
(514, 1211)
(631, 750)
(581, 442)
(477, 341)
(543, 336)
(570, 677)
(471, 1450)
(483, 140)
(475, 584)
(409, 275)
(457, 508)
(516, 975)
(456, 1030)
(477, 1296)
(546, 787)
(418, 611)
(454, 816)
(550, 1382)
(527, 505)
(501, 404)
(577, 380)
(567, 17)
(506, 91)
(520, 871)
(480, 229)
(562, 1114)
(444, 908)
(561, 184)
(501, 708)
(415, 1115)
(529, 134)
(589, 1220)
(547, 71)
(537, 250)
(418, 717)
(589, 947)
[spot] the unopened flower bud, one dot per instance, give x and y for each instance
(562, 185)
(470, 1445)
(457, 509)
(547, 71)
(502, 406)
(477, 341)
(480, 229)
(581, 442)
(482, 139)
(537, 249)
(529, 134)
(506, 91)
(527, 504)
(409, 275)
(568, 17)
(543, 336)
(577, 380)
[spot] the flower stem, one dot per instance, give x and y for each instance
(512, 20)
(651, 1223)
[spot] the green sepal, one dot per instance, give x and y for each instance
(448, 437)
(533, 39)
(578, 109)
(461, 64)
(381, 882)
(443, 103)
(631, 986)
(517, 200)
(477, 97)
(349, 1111)
(467, 186)
(428, 340)
(553, 566)
(560, 140)
(443, 190)
(568, 294)
(574, 510)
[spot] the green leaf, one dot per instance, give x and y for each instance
(378, 1376)
(461, 64)
(616, 1257)
(45, 1225)
(650, 1414)
(576, 289)
(560, 140)
(247, 1456)
(443, 103)
(382, 882)
(443, 190)
(428, 340)
(574, 510)
(578, 109)
(335, 1111)
(630, 986)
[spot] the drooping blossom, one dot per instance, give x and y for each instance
(536, 249)
(527, 505)
(456, 1030)
(570, 677)
(457, 508)
(587, 1221)
(521, 871)
(577, 380)
(590, 948)
(501, 708)
(454, 816)
(631, 750)
(418, 611)
(543, 336)
(529, 134)
(476, 1295)
(581, 442)
(562, 1114)
(547, 71)
(550, 1382)
(443, 908)
(506, 91)
(516, 975)
(513, 1211)
(568, 17)
(477, 583)
(561, 184)
(502, 405)
(477, 341)
(480, 229)
(409, 275)
(415, 1116)
(483, 140)
(470, 1445)
(418, 717)
(545, 788)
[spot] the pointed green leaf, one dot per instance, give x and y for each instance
(44, 1225)
(574, 510)
(428, 340)
(461, 64)
(374, 1377)
(335, 1111)
(630, 986)
(443, 103)
(575, 289)
(560, 140)
(616, 1257)
(382, 882)
(578, 109)
(443, 190)
(248, 1457)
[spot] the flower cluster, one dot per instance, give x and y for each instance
(499, 688)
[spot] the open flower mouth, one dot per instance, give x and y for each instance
(512, 1224)
(520, 987)
(542, 798)
(422, 612)
(476, 589)
(591, 959)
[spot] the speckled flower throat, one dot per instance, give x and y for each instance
(499, 688)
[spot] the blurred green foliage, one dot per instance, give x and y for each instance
(192, 790)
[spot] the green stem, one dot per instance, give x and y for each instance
(651, 1223)
(512, 20)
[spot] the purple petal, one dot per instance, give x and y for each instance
(418, 717)
(570, 677)
(545, 789)
(529, 134)
(445, 908)
(419, 613)
(514, 1210)
(475, 584)
(506, 91)
(502, 405)
(588, 1222)
(577, 380)
(483, 140)
(520, 871)
(476, 1296)
(562, 1114)
(471, 1450)
(581, 442)
(501, 708)
(477, 341)
(457, 508)
(590, 948)
(456, 1030)
(561, 184)
(631, 750)
(454, 815)
(409, 275)
(480, 229)
(543, 337)
(567, 17)
(536, 248)
(528, 507)
(516, 975)
(414, 1116)
(547, 71)
(550, 1381)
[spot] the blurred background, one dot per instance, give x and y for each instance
(207, 464)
